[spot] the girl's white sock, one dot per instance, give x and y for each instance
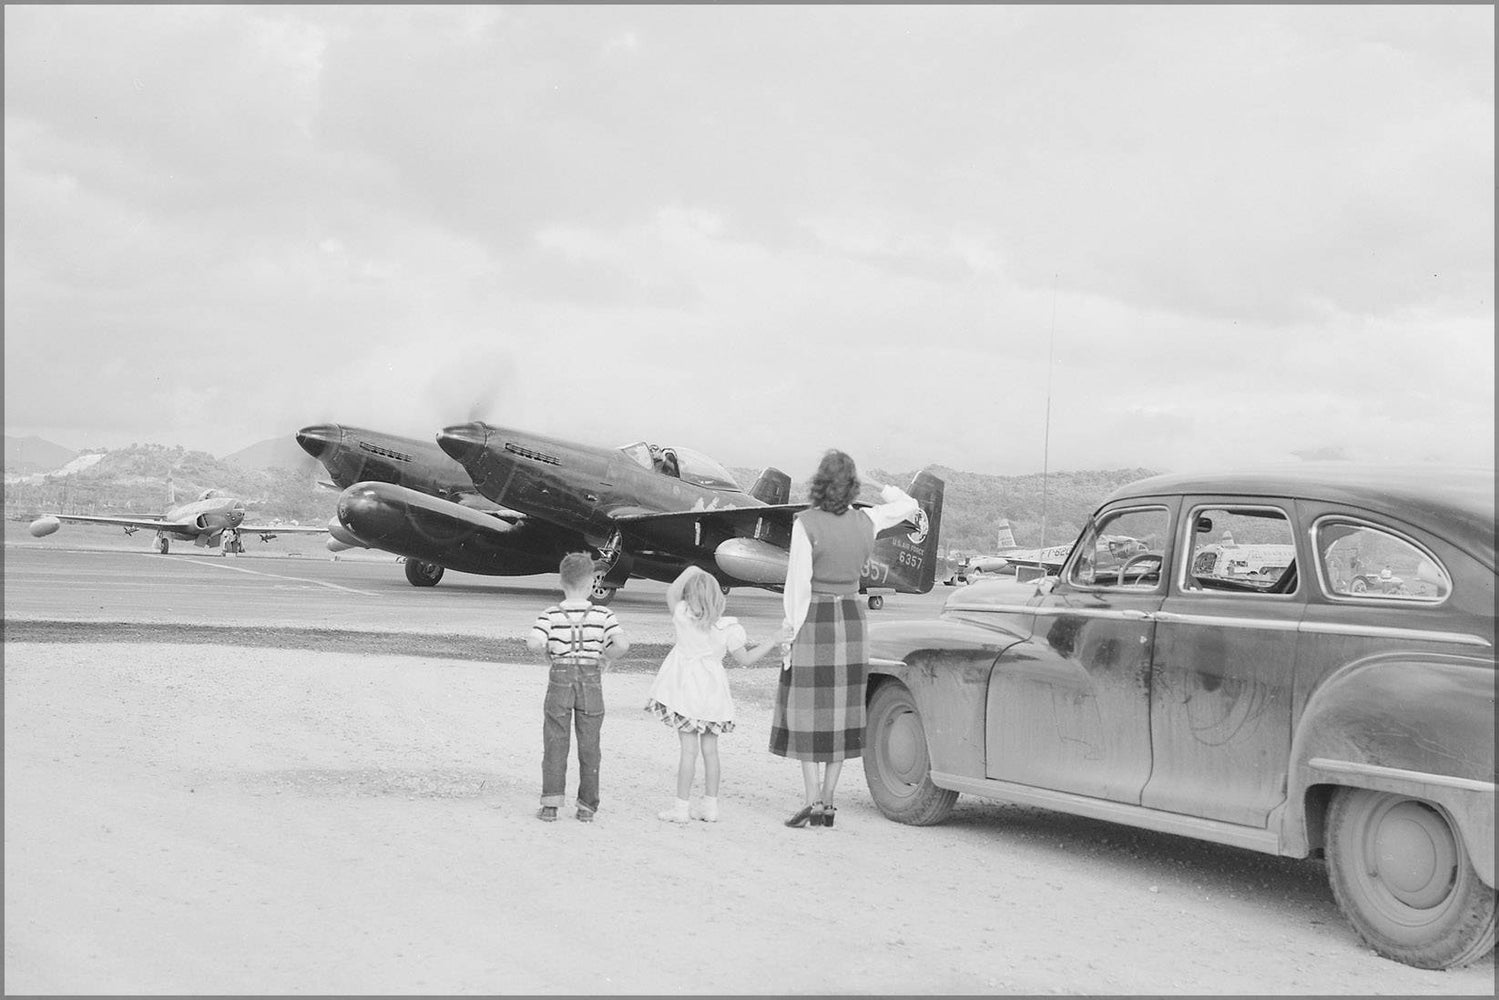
(678, 813)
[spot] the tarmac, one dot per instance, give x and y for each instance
(88, 583)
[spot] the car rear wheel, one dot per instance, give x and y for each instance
(1402, 876)
(896, 764)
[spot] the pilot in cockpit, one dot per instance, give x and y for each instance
(664, 460)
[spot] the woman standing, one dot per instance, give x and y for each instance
(819, 710)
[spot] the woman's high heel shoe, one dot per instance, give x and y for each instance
(800, 817)
(828, 813)
(817, 814)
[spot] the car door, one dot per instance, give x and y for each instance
(1224, 671)
(1069, 710)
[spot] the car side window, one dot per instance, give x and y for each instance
(1361, 561)
(1123, 549)
(1242, 549)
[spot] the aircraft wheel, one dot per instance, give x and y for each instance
(161, 546)
(876, 602)
(725, 591)
(602, 593)
(422, 574)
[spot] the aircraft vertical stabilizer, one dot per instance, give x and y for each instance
(906, 560)
(1006, 539)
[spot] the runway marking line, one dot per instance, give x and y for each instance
(296, 579)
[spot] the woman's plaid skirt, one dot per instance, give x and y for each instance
(819, 711)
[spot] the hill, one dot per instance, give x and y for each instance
(273, 453)
(25, 455)
(974, 503)
(134, 480)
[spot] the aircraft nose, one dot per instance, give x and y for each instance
(464, 442)
(319, 438)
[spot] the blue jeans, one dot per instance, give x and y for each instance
(575, 694)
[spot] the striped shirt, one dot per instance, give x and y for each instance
(576, 629)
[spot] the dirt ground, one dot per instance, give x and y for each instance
(212, 819)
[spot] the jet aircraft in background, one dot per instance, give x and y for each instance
(213, 518)
(651, 511)
(1029, 564)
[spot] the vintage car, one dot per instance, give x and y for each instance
(1299, 715)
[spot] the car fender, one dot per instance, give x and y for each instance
(945, 664)
(1419, 725)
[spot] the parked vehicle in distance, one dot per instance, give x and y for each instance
(1312, 713)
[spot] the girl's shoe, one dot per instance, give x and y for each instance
(706, 809)
(819, 815)
(676, 814)
(800, 817)
(828, 813)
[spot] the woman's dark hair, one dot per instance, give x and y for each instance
(835, 484)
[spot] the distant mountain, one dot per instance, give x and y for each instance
(272, 453)
(25, 455)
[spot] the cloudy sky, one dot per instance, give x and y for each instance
(1193, 236)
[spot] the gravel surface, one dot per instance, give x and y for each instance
(201, 818)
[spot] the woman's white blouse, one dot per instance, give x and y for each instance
(898, 506)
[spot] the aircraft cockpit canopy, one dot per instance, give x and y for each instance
(691, 466)
(210, 495)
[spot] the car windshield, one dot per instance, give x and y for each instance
(691, 466)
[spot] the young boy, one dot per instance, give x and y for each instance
(579, 639)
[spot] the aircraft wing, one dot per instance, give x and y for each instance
(779, 513)
(282, 529)
(149, 522)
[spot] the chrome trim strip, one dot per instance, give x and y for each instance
(1123, 614)
(1391, 632)
(1216, 831)
(1401, 774)
(1224, 621)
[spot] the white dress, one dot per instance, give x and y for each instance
(691, 690)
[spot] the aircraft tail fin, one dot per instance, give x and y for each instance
(773, 487)
(905, 560)
(1006, 540)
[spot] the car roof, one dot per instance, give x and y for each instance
(1454, 503)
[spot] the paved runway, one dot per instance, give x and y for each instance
(97, 575)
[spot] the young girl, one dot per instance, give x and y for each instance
(691, 691)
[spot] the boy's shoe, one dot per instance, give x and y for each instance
(706, 809)
(585, 814)
(547, 814)
(677, 813)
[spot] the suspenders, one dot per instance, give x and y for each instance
(575, 651)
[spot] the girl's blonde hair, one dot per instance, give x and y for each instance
(703, 597)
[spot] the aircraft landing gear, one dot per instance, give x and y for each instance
(602, 593)
(422, 574)
(233, 545)
(876, 602)
(161, 544)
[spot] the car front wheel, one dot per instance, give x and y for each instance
(896, 764)
(1402, 876)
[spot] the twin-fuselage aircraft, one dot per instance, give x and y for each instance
(213, 518)
(498, 501)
